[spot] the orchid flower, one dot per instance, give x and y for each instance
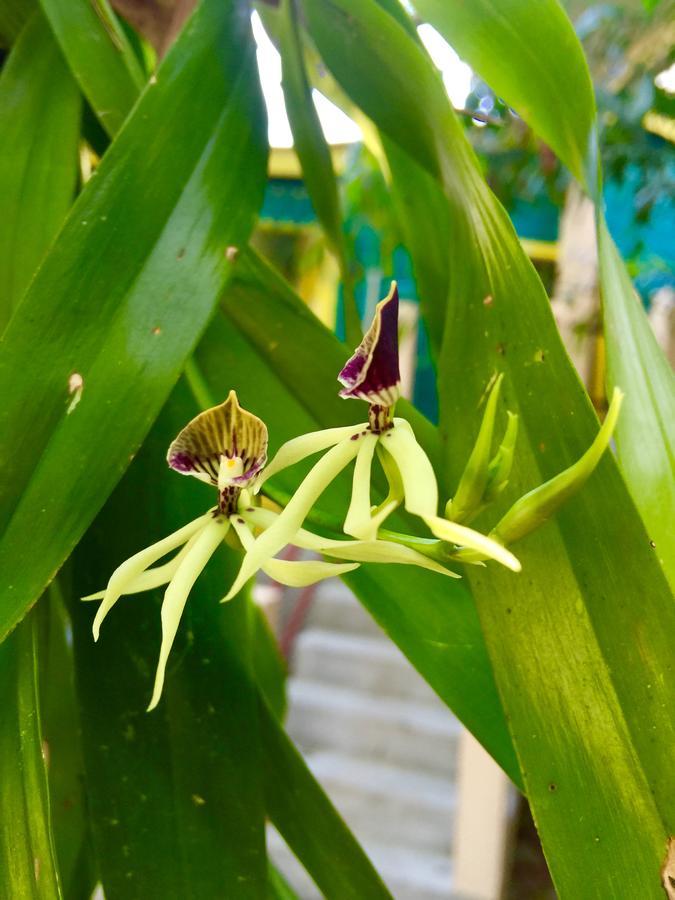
(226, 446)
(371, 374)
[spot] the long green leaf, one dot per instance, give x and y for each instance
(552, 91)
(124, 294)
(27, 859)
(287, 371)
(424, 218)
(40, 125)
(646, 431)
(175, 795)
(100, 56)
(528, 52)
(309, 824)
(60, 730)
(557, 635)
(279, 889)
(311, 146)
(13, 16)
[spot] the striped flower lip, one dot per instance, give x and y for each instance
(225, 446)
(372, 373)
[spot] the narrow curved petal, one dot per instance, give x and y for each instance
(290, 520)
(372, 373)
(383, 552)
(292, 573)
(151, 578)
(125, 574)
(358, 521)
(474, 540)
(393, 476)
(379, 551)
(417, 474)
(177, 593)
(300, 573)
(305, 445)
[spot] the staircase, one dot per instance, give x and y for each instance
(381, 744)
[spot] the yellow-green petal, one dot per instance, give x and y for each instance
(300, 573)
(378, 551)
(454, 533)
(151, 578)
(417, 474)
(305, 445)
(125, 574)
(290, 520)
(358, 521)
(178, 591)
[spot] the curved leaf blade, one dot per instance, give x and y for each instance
(294, 798)
(529, 53)
(645, 436)
(99, 53)
(27, 858)
(40, 127)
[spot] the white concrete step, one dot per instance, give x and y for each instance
(386, 729)
(387, 804)
(409, 874)
(336, 608)
(366, 663)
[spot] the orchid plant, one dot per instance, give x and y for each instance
(226, 447)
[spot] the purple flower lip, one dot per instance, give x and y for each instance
(224, 431)
(372, 373)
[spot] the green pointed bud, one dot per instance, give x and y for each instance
(538, 505)
(468, 499)
(499, 469)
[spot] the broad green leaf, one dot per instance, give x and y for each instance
(27, 858)
(268, 665)
(308, 822)
(557, 634)
(279, 889)
(528, 52)
(60, 731)
(645, 439)
(311, 145)
(13, 16)
(287, 372)
(424, 219)
(126, 291)
(100, 56)
(552, 91)
(40, 126)
(176, 796)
